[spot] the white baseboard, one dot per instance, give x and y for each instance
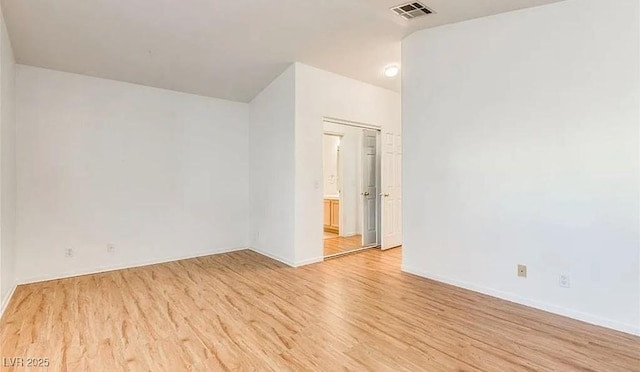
(43, 278)
(309, 261)
(6, 299)
(559, 310)
(288, 262)
(349, 234)
(274, 257)
(99, 270)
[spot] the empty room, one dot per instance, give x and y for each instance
(296, 185)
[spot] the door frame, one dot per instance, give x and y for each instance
(378, 129)
(351, 123)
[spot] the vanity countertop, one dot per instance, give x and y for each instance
(332, 197)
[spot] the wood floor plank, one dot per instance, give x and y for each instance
(243, 311)
(338, 244)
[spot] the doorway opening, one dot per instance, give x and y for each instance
(351, 187)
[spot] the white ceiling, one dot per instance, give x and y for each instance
(226, 49)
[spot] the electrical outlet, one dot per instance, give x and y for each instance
(522, 271)
(68, 252)
(111, 248)
(564, 281)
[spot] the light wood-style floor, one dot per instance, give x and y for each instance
(243, 311)
(329, 235)
(341, 245)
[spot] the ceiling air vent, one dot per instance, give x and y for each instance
(411, 10)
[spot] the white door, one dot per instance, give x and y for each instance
(391, 190)
(369, 188)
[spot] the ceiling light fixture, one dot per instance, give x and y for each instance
(391, 71)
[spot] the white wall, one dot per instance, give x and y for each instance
(271, 148)
(521, 146)
(322, 94)
(351, 163)
(7, 169)
(160, 175)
